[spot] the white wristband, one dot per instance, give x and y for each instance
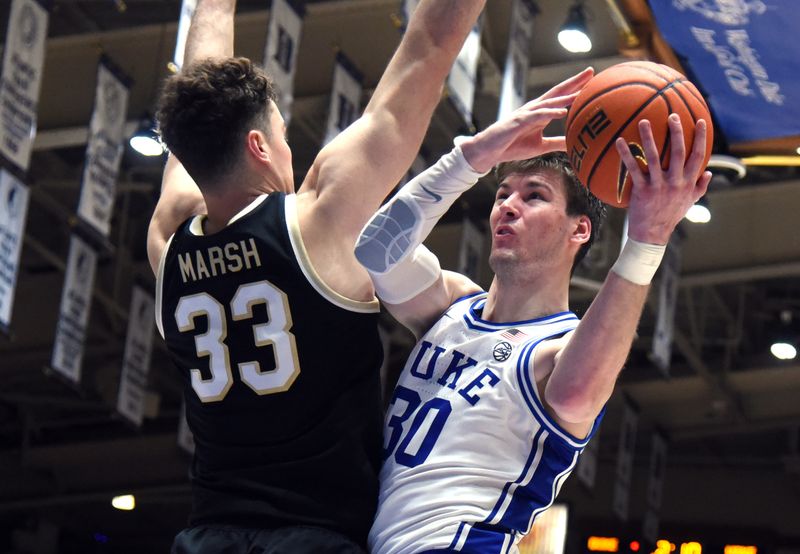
(638, 261)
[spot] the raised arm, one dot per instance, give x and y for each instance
(210, 35)
(578, 378)
(406, 275)
(355, 171)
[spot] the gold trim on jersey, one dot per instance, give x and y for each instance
(196, 225)
(160, 284)
(300, 252)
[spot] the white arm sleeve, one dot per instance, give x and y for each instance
(390, 245)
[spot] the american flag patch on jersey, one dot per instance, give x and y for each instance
(514, 335)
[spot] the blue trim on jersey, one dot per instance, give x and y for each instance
(525, 468)
(466, 296)
(531, 395)
(476, 323)
(539, 493)
(457, 536)
(501, 531)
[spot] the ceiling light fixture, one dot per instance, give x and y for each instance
(699, 212)
(784, 344)
(146, 141)
(574, 35)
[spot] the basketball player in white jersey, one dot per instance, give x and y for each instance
(505, 387)
(265, 310)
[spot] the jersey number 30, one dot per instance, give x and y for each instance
(212, 342)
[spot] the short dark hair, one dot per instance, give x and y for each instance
(206, 110)
(579, 200)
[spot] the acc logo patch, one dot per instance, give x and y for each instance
(502, 351)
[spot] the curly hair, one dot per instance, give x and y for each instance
(206, 110)
(579, 200)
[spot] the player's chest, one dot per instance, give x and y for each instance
(463, 367)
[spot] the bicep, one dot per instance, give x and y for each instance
(419, 313)
(180, 199)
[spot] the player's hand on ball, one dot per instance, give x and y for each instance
(519, 135)
(660, 198)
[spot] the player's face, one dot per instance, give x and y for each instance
(280, 153)
(529, 223)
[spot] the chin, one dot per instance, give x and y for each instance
(502, 259)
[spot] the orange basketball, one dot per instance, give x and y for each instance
(611, 106)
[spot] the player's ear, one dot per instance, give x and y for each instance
(257, 146)
(582, 230)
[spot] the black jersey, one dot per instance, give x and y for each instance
(282, 376)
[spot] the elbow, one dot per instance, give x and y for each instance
(571, 403)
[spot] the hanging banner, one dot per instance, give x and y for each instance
(669, 273)
(461, 81)
(185, 436)
(471, 250)
(624, 471)
(73, 316)
(345, 105)
(514, 90)
(20, 82)
(104, 150)
(742, 55)
(13, 212)
(587, 463)
(655, 486)
(280, 54)
(184, 22)
(136, 360)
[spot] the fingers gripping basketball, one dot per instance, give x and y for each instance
(611, 106)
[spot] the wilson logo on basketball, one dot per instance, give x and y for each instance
(588, 134)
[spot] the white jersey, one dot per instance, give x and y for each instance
(470, 455)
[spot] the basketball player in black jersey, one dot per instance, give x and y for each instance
(260, 299)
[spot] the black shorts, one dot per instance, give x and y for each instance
(228, 539)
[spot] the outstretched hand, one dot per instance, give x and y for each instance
(660, 198)
(519, 135)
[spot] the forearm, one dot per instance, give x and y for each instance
(211, 31)
(587, 368)
(432, 41)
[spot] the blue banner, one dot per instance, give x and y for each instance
(745, 56)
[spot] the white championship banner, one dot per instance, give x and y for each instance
(625, 453)
(514, 89)
(461, 81)
(20, 82)
(73, 316)
(345, 104)
(280, 54)
(14, 197)
(184, 22)
(669, 276)
(655, 486)
(136, 360)
(104, 150)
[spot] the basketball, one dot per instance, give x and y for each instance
(611, 106)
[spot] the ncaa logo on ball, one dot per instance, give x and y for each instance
(502, 351)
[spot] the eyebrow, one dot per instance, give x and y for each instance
(532, 184)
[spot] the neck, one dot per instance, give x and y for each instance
(223, 202)
(522, 299)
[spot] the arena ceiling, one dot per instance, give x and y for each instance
(727, 403)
